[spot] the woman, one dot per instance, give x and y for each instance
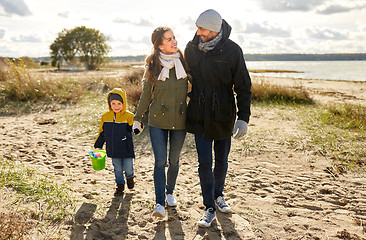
(164, 94)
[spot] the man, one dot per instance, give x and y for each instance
(217, 67)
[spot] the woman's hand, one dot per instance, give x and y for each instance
(137, 127)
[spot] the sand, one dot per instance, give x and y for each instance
(275, 191)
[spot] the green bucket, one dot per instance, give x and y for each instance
(98, 162)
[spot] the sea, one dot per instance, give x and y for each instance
(329, 70)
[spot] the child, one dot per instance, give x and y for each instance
(116, 130)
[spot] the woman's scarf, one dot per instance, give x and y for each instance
(209, 45)
(168, 62)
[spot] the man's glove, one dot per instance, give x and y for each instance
(240, 128)
(137, 127)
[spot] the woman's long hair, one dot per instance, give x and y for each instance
(152, 62)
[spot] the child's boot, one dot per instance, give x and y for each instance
(119, 190)
(130, 183)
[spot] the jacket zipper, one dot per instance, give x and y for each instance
(114, 119)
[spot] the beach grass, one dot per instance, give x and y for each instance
(264, 91)
(338, 132)
(21, 185)
(21, 91)
(334, 131)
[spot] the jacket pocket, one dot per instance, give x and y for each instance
(225, 111)
(182, 109)
(158, 112)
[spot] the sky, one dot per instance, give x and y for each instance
(29, 27)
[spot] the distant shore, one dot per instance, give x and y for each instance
(260, 57)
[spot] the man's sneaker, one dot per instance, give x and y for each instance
(221, 205)
(207, 218)
(159, 211)
(171, 200)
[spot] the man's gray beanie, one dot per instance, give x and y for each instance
(210, 20)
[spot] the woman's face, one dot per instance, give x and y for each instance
(169, 45)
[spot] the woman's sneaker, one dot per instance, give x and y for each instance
(171, 200)
(207, 218)
(159, 211)
(221, 205)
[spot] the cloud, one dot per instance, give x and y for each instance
(326, 34)
(17, 7)
(266, 29)
(142, 22)
(331, 9)
(2, 33)
(290, 5)
(63, 14)
(23, 38)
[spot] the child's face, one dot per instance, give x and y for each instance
(116, 106)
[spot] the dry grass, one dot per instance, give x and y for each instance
(263, 91)
(272, 71)
(13, 226)
(20, 88)
(347, 116)
(39, 200)
(121, 65)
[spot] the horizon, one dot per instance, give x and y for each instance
(334, 53)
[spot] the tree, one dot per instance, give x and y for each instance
(87, 44)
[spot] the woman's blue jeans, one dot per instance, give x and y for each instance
(120, 165)
(159, 141)
(212, 181)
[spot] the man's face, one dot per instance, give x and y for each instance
(206, 35)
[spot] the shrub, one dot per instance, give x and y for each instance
(265, 92)
(135, 76)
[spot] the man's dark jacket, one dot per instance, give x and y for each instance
(211, 111)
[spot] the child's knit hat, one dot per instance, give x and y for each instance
(115, 96)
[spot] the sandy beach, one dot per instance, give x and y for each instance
(275, 191)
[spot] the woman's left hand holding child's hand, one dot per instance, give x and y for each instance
(137, 127)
